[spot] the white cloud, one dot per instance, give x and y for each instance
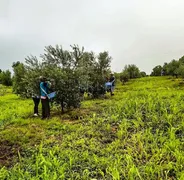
(141, 32)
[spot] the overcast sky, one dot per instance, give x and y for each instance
(141, 32)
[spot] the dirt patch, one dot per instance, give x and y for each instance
(114, 129)
(8, 153)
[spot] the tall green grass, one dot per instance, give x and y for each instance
(137, 134)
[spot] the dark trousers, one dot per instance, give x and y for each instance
(45, 108)
(112, 90)
(36, 103)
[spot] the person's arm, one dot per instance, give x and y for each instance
(49, 86)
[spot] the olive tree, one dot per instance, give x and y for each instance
(69, 70)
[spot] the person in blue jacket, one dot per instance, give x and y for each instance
(44, 90)
(112, 80)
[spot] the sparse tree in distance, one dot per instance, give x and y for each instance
(18, 78)
(156, 71)
(5, 78)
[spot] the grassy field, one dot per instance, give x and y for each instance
(136, 134)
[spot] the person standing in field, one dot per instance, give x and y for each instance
(36, 97)
(112, 80)
(36, 100)
(44, 88)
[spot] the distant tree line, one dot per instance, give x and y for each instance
(174, 68)
(76, 67)
(5, 78)
(130, 72)
(90, 75)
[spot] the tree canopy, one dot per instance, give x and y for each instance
(131, 72)
(67, 70)
(173, 68)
